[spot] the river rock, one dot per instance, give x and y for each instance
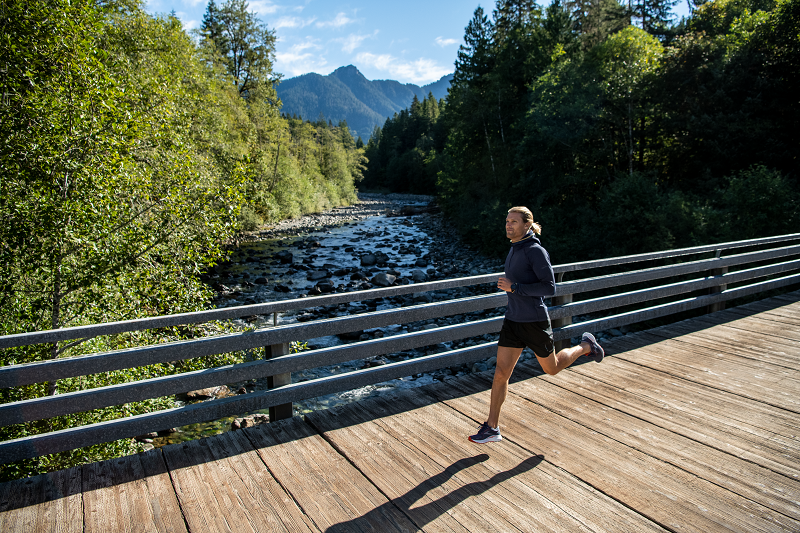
(315, 275)
(204, 394)
(325, 287)
(423, 298)
(422, 263)
(368, 260)
(261, 281)
(383, 279)
(419, 276)
(350, 335)
(249, 421)
(284, 257)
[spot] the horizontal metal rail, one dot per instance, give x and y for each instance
(199, 317)
(665, 291)
(79, 401)
(28, 373)
(79, 437)
(651, 274)
(667, 254)
(633, 317)
(112, 328)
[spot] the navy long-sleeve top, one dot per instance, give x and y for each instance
(528, 265)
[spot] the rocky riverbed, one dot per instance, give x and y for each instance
(383, 240)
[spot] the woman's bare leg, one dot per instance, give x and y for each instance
(506, 361)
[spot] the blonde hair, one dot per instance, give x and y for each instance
(527, 218)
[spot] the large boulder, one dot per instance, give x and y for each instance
(383, 279)
(368, 259)
(419, 276)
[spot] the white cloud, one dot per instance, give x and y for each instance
(262, 7)
(420, 71)
(192, 3)
(190, 24)
(340, 20)
(293, 22)
(445, 42)
(300, 58)
(353, 41)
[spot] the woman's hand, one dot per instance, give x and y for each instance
(504, 284)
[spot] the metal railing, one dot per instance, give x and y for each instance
(692, 282)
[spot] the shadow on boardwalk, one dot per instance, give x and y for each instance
(425, 514)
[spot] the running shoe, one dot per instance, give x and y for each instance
(486, 434)
(597, 351)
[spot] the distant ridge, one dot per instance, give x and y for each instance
(345, 94)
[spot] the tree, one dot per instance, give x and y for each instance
(210, 29)
(655, 16)
(246, 45)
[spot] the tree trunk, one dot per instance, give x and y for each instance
(55, 318)
(630, 138)
(275, 173)
(641, 145)
(491, 158)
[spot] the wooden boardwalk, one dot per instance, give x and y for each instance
(689, 427)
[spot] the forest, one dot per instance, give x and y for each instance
(624, 130)
(132, 155)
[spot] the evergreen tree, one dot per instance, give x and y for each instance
(655, 16)
(246, 45)
(211, 30)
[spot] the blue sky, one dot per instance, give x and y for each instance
(413, 41)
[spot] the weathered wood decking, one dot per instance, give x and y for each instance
(689, 427)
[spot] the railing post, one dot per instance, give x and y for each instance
(565, 321)
(713, 308)
(283, 411)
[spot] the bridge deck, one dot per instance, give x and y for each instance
(688, 427)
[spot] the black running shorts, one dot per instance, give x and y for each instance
(538, 336)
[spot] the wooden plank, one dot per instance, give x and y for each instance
(763, 347)
(331, 491)
(776, 386)
(44, 503)
(771, 490)
(223, 486)
(131, 493)
(735, 425)
(510, 488)
(670, 496)
(557, 490)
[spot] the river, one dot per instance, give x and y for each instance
(324, 253)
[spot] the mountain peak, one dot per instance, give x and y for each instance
(346, 94)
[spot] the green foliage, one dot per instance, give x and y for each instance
(758, 201)
(621, 139)
(404, 152)
(130, 154)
